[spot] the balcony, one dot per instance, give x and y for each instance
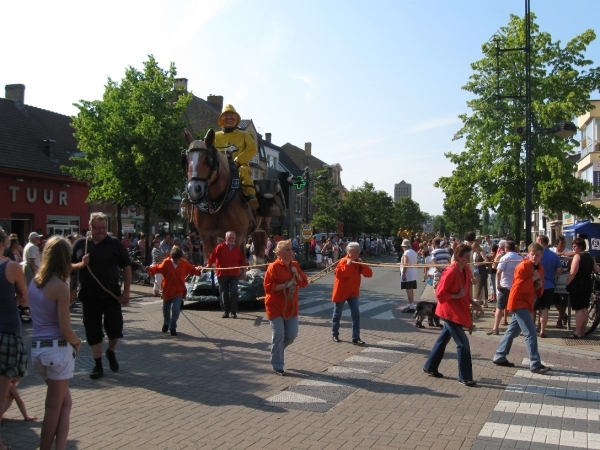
(593, 196)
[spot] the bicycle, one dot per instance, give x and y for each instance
(594, 308)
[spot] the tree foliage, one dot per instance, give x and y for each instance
(132, 140)
(490, 173)
(408, 214)
(368, 211)
(327, 201)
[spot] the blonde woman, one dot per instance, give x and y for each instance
(282, 280)
(54, 343)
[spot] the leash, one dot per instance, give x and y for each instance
(94, 276)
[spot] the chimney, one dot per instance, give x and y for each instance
(16, 93)
(181, 83)
(216, 100)
(268, 137)
(307, 148)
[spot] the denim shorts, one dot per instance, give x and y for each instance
(54, 363)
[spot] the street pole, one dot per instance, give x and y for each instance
(528, 137)
(307, 178)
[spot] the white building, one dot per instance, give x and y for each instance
(402, 190)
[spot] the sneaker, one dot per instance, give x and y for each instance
(469, 383)
(541, 369)
(112, 360)
(173, 332)
(504, 363)
(233, 315)
(336, 339)
(165, 328)
(358, 342)
(279, 372)
(435, 374)
(225, 316)
(409, 309)
(97, 372)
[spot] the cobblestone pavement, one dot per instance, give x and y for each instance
(212, 386)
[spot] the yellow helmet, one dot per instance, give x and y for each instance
(228, 108)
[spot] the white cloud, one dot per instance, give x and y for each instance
(431, 125)
(310, 82)
(194, 14)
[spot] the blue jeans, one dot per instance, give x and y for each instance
(463, 351)
(283, 334)
(175, 304)
(521, 321)
(354, 312)
(228, 290)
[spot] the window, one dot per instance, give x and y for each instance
(272, 161)
(588, 135)
(298, 203)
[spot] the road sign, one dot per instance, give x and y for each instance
(306, 232)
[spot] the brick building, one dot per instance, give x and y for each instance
(35, 194)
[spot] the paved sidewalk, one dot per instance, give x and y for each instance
(213, 387)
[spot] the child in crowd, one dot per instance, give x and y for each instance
(175, 270)
(13, 395)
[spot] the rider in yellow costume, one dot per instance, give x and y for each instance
(245, 149)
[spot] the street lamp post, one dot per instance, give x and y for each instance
(562, 129)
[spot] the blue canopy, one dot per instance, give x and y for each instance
(584, 227)
(592, 233)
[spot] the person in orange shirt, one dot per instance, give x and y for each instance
(174, 270)
(528, 282)
(282, 280)
(346, 288)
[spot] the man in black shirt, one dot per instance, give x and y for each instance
(98, 258)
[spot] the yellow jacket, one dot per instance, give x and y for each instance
(242, 140)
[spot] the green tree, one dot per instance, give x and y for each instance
(439, 225)
(485, 221)
(408, 215)
(492, 166)
(132, 140)
(365, 210)
(327, 201)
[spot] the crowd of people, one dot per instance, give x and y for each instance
(521, 283)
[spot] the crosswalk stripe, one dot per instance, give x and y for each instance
(364, 359)
(552, 391)
(539, 409)
(316, 309)
(381, 350)
(527, 361)
(387, 315)
(558, 375)
(365, 307)
(294, 397)
(516, 432)
(340, 369)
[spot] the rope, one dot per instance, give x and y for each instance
(94, 276)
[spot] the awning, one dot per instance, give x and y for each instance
(585, 227)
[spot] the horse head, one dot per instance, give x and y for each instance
(201, 164)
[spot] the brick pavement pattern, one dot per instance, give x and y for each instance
(212, 386)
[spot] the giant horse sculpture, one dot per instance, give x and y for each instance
(214, 189)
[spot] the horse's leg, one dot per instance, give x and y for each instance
(259, 238)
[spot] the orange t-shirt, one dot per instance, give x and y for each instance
(276, 304)
(347, 279)
(522, 293)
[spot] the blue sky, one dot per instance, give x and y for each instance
(374, 85)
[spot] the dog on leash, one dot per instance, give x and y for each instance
(426, 309)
